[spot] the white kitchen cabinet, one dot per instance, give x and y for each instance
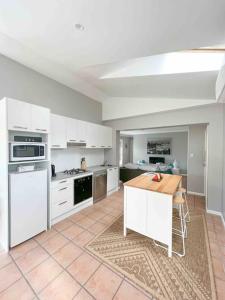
(107, 134)
(58, 132)
(61, 197)
(93, 137)
(149, 213)
(112, 179)
(72, 130)
(136, 209)
(99, 136)
(24, 116)
(82, 131)
(76, 131)
(19, 115)
(40, 119)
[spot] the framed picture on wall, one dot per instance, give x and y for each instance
(162, 147)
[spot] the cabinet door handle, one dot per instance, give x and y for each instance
(93, 146)
(19, 127)
(63, 181)
(82, 141)
(72, 140)
(57, 146)
(102, 146)
(63, 189)
(39, 129)
(62, 203)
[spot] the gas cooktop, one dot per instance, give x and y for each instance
(74, 171)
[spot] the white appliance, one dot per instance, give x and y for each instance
(26, 151)
(28, 205)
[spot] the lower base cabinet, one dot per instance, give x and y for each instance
(61, 197)
(112, 179)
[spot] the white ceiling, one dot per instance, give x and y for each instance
(42, 35)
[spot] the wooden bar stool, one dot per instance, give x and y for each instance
(179, 201)
(183, 191)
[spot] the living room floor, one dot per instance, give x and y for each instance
(56, 265)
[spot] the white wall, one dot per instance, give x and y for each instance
(117, 108)
(208, 114)
(127, 149)
(196, 158)
(22, 83)
(223, 203)
(70, 158)
(179, 146)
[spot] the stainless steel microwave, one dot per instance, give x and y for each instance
(26, 151)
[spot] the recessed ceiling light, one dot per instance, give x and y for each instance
(79, 26)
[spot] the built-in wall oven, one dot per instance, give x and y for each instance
(82, 189)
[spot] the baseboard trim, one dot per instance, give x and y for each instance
(218, 213)
(214, 212)
(194, 193)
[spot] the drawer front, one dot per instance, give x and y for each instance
(62, 193)
(61, 208)
(61, 183)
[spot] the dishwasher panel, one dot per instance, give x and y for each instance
(100, 186)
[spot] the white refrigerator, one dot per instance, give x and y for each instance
(28, 205)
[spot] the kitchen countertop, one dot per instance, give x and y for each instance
(62, 175)
(168, 184)
(100, 168)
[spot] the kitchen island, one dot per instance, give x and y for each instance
(148, 206)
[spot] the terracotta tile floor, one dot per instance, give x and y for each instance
(55, 264)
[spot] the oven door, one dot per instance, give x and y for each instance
(22, 152)
(82, 189)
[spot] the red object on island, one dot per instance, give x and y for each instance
(157, 177)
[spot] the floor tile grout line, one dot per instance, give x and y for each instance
(66, 270)
(100, 264)
(2, 291)
(23, 275)
(86, 291)
(25, 252)
(118, 288)
(63, 270)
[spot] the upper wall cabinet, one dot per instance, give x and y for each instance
(40, 119)
(107, 136)
(93, 136)
(19, 115)
(99, 136)
(68, 130)
(24, 116)
(76, 131)
(58, 132)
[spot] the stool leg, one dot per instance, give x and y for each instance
(187, 209)
(184, 221)
(183, 230)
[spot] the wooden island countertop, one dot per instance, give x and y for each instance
(168, 185)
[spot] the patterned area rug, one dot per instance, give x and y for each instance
(165, 278)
